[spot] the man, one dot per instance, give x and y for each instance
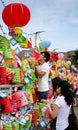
(42, 72)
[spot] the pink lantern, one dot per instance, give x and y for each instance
(72, 66)
(60, 56)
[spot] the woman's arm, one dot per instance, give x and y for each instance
(39, 73)
(52, 108)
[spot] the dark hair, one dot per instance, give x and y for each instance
(46, 55)
(66, 91)
(55, 82)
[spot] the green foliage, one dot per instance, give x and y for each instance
(74, 58)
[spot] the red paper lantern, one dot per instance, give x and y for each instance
(16, 15)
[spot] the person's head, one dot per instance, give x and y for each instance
(55, 83)
(64, 88)
(44, 56)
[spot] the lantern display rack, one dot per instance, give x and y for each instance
(8, 88)
(4, 86)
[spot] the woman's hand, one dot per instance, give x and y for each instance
(44, 101)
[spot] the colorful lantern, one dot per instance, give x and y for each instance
(46, 44)
(16, 15)
(72, 66)
(68, 63)
(75, 69)
(53, 56)
(61, 56)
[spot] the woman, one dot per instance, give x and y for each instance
(60, 109)
(55, 83)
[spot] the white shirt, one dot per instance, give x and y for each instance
(43, 84)
(62, 117)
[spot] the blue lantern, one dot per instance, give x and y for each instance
(46, 44)
(69, 63)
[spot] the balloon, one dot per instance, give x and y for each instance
(68, 63)
(46, 44)
(60, 56)
(16, 15)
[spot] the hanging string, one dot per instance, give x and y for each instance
(3, 3)
(1, 27)
(39, 37)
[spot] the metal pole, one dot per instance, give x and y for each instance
(35, 40)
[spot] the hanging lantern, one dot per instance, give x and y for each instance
(72, 66)
(68, 63)
(46, 44)
(16, 15)
(61, 56)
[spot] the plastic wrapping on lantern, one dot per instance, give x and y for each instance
(29, 44)
(24, 44)
(29, 121)
(21, 98)
(32, 76)
(46, 114)
(23, 110)
(3, 95)
(7, 127)
(41, 48)
(21, 76)
(7, 51)
(9, 62)
(14, 106)
(30, 97)
(25, 122)
(3, 74)
(34, 116)
(20, 38)
(16, 75)
(14, 45)
(31, 62)
(25, 65)
(1, 124)
(35, 54)
(15, 125)
(18, 50)
(34, 95)
(9, 77)
(7, 107)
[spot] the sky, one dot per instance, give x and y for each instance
(57, 19)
